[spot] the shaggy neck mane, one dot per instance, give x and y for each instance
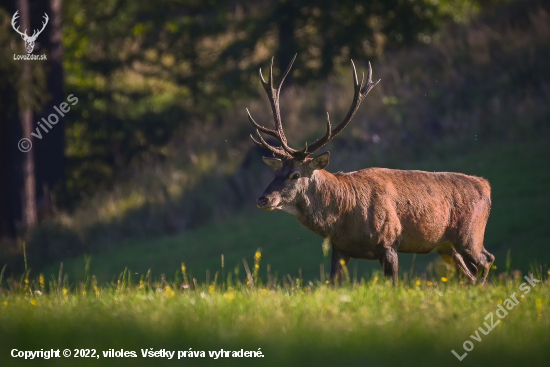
(336, 191)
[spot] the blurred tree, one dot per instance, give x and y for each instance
(145, 70)
(29, 89)
(328, 33)
(142, 70)
(26, 117)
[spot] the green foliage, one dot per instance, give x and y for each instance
(144, 70)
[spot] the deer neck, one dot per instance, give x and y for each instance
(318, 206)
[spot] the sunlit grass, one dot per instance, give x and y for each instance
(417, 322)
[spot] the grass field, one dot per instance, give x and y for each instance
(416, 323)
(519, 222)
(300, 320)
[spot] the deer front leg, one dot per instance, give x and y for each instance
(390, 263)
(336, 265)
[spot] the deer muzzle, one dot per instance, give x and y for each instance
(266, 203)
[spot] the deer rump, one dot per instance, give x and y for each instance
(367, 211)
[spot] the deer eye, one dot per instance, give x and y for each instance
(294, 176)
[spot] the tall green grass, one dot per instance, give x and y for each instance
(293, 323)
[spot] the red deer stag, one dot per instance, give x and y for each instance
(375, 213)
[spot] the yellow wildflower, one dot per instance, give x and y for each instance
(33, 302)
(429, 283)
(258, 256)
(418, 282)
(538, 305)
(444, 279)
(169, 291)
(65, 291)
(229, 296)
(342, 262)
(212, 289)
(6, 304)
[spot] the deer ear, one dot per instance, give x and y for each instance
(274, 163)
(319, 162)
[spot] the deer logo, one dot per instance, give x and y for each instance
(29, 40)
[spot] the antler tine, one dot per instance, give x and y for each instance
(284, 74)
(273, 99)
(355, 83)
(277, 93)
(273, 96)
(35, 32)
(260, 127)
(360, 92)
(369, 84)
(276, 151)
(13, 19)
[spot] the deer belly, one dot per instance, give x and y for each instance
(418, 244)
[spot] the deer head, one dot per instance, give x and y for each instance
(293, 167)
(29, 40)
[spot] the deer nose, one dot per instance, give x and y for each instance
(262, 202)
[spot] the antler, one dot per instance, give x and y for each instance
(24, 34)
(15, 16)
(273, 96)
(360, 93)
(34, 33)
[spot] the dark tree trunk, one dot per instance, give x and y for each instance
(27, 179)
(11, 159)
(50, 150)
(10, 165)
(26, 117)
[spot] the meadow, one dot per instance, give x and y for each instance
(518, 227)
(418, 322)
(179, 259)
(141, 296)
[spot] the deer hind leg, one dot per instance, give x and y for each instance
(485, 261)
(449, 252)
(390, 263)
(481, 262)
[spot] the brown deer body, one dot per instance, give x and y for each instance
(375, 213)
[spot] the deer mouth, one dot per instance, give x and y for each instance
(267, 204)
